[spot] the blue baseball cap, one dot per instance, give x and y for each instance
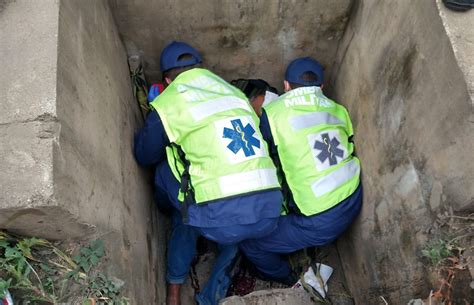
(171, 53)
(297, 67)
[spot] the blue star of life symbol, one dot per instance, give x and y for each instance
(242, 138)
(329, 150)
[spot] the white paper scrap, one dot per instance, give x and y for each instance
(269, 96)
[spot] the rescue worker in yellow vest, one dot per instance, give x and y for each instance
(309, 137)
(219, 176)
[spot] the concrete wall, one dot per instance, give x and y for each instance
(28, 125)
(397, 74)
(66, 139)
(239, 38)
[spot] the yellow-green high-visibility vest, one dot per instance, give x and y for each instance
(214, 127)
(311, 133)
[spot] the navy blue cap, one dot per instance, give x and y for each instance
(171, 53)
(301, 65)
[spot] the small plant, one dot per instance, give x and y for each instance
(437, 251)
(90, 256)
(4, 285)
(33, 269)
(449, 259)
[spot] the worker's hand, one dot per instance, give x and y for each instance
(155, 90)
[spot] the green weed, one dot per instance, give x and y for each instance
(33, 269)
(439, 250)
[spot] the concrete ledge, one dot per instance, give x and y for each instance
(52, 222)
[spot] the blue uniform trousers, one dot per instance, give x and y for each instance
(183, 240)
(181, 252)
(295, 232)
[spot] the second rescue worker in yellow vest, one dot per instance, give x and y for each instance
(310, 139)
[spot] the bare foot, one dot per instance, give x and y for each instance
(173, 295)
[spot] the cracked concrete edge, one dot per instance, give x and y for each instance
(47, 221)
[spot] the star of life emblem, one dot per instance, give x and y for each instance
(327, 149)
(240, 139)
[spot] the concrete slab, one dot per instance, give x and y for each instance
(271, 297)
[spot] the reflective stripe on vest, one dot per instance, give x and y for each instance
(314, 119)
(248, 181)
(335, 179)
(207, 109)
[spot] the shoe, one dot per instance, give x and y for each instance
(459, 5)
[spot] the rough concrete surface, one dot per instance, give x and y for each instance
(28, 36)
(460, 29)
(238, 39)
(271, 297)
(95, 173)
(27, 94)
(66, 136)
(410, 105)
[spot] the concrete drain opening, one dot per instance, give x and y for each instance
(404, 71)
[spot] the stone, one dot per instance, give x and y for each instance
(271, 297)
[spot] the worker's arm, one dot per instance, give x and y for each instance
(267, 133)
(150, 141)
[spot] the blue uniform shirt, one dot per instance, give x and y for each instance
(149, 149)
(267, 133)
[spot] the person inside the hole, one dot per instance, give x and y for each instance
(212, 167)
(258, 91)
(310, 139)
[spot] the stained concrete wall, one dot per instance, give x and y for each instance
(410, 105)
(237, 38)
(66, 139)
